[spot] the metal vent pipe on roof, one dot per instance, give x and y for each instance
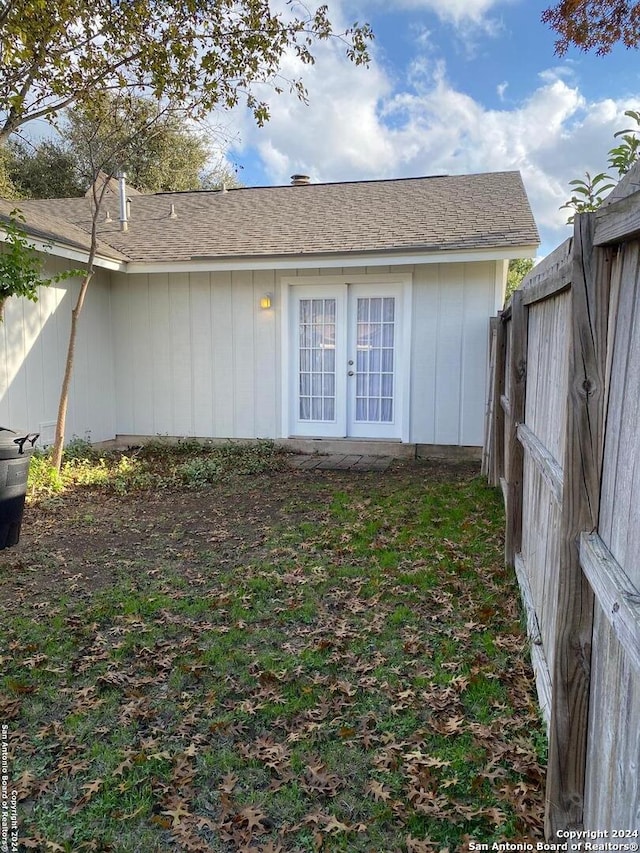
(300, 180)
(122, 184)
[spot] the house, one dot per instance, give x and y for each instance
(312, 311)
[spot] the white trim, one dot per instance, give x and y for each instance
(301, 262)
(502, 269)
(59, 250)
(271, 262)
(285, 372)
(407, 337)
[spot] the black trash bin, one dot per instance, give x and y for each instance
(15, 455)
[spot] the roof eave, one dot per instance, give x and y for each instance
(64, 250)
(325, 260)
(48, 244)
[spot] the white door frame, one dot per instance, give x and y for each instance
(313, 286)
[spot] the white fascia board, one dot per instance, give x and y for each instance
(60, 250)
(327, 262)
(79, 255)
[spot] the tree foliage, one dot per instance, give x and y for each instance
(201, 54)
(7, 188)
(168, 154)
(158, 148)
(518, 269)
(21, 267)
(50, 170)
(594, 24)
(589, 193)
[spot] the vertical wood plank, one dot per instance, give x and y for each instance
(498, 413)
(487, 452)
(582, 469)
(266, 404)
(161, 321)
(515, 453)
(449, 354)
(202, 355)
(223, 349)
(424, 354)
(477, 291)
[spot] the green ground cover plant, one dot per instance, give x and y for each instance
(207, 650)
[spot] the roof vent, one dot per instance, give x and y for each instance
(172, 212)
(300, 180)
(124, 207)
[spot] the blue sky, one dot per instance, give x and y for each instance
(454, 86)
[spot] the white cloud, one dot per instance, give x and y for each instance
(453, 11)
(357, 126)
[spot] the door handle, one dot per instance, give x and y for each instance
(350, 373)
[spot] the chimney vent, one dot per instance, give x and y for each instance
(300, 180)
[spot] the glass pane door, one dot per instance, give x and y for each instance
(317, 360)
(343, 362)
(375, 357)
(318, 374)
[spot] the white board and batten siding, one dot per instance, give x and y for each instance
(449, 351)
(33, 349)
(194, 354)
(613, 746)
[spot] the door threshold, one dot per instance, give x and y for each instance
(394, 448)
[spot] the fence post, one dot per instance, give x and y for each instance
(517, 389)
(488, 446)
(497, 469)
(590, 285)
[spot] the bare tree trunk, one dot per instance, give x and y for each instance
(58, 445)
(98, 196)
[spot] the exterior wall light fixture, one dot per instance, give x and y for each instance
(265, 301)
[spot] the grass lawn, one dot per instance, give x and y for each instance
(211, 651)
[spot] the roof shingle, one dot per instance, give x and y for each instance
(462, 212)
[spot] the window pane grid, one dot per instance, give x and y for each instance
(375, 338)
(317, 371)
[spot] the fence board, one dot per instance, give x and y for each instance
(582, 472)
(612, 784)
(613, 754)
(546, 464)
(575, 418)
(541, 551)
(517, 381)
(498, 414)
(615, 593)
(547, 374)
(620, 515)
(488, 449)
(618, 221)
(551, 276)
(538, 658)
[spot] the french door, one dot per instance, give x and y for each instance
(345, 343)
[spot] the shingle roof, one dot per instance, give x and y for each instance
(45, 222)
(462, 212)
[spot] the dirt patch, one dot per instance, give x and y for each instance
(84, 540)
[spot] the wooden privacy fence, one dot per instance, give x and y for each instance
(563, 442)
